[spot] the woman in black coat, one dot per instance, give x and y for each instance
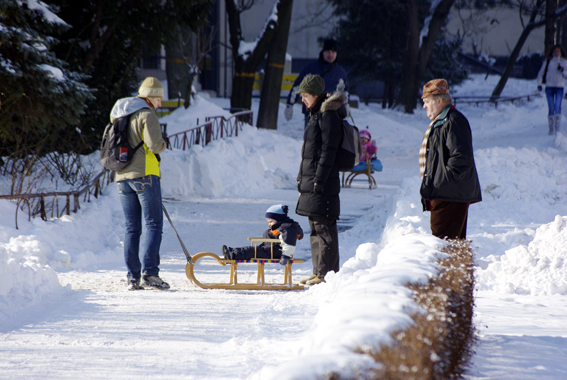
(318, 180)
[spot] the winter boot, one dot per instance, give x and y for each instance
(226, 252)
(551, 122)
(304, 281)
(155, 282)
(315, 281)
(557, 123)
(134, 285)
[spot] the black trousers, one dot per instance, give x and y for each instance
(324, 245)
(449, 219)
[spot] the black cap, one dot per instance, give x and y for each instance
(330, 44)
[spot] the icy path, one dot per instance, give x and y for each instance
(100, 330)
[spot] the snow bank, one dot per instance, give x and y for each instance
(540, 268)
(256, 160)
(367, 299)
(87, 239)
(24, 279)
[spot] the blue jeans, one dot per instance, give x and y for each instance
(554, 96)
(142, 196)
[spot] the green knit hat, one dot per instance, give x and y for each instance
(151, 88)
(311, 84)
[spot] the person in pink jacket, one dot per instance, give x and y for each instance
(368, 148)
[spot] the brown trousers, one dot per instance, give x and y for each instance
(449, 219)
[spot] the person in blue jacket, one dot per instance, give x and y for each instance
(281, 227)
(326, 66)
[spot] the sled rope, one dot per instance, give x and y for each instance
(187, 255)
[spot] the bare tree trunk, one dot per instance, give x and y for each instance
(188, 90)
(272, 84)
(178, 57)
(437, 20)
(550, 30)
(406, 96)
(245, 65)
(418, 59)
(516, 51)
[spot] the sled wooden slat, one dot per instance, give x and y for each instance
(368, 171)
(260, 284)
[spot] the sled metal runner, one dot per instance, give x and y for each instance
(260, 284)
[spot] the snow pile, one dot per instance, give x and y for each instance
(527, 183)
(24, 278)
(183, 119)
(256, 160)
(561, 141)
(367, 299)
(540, 268)
(38, 248)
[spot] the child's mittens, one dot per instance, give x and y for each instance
(284, 260)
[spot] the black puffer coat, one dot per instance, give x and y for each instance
(321, 140)
(450, 171)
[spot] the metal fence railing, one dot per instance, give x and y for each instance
(214, 128)
(476, 100)
(47, 204)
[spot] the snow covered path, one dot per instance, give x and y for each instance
(103, 330)
(216, 195)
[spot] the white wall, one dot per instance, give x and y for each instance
(495, 32)
(310, 19)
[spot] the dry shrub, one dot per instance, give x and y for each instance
(439, 345)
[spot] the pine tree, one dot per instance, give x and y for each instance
(380, 41)
(108, 38)
(41, 99)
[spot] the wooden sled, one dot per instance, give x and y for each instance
(233, 284)
(368, 171)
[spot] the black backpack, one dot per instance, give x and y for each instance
(348, 154)
(115, 149)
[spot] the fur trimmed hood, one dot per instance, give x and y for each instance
(336, 102)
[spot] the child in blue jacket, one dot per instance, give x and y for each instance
(282, 227)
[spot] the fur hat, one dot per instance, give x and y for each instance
(277, 213)
(365, 133)
(435, 87)
(311, 84)
(151, 88)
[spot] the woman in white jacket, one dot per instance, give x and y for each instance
(552, 74)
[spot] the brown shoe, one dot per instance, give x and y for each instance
(315, 281)
(304, 281)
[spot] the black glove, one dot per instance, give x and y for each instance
(559, 67)
(299, 186)
(284, 260)
(318, 189)
(539, 87)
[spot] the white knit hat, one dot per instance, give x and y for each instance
(151, 88)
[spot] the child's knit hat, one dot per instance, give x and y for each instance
(365, 133)
(277, 213)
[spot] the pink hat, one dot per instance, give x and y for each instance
(365, 133)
